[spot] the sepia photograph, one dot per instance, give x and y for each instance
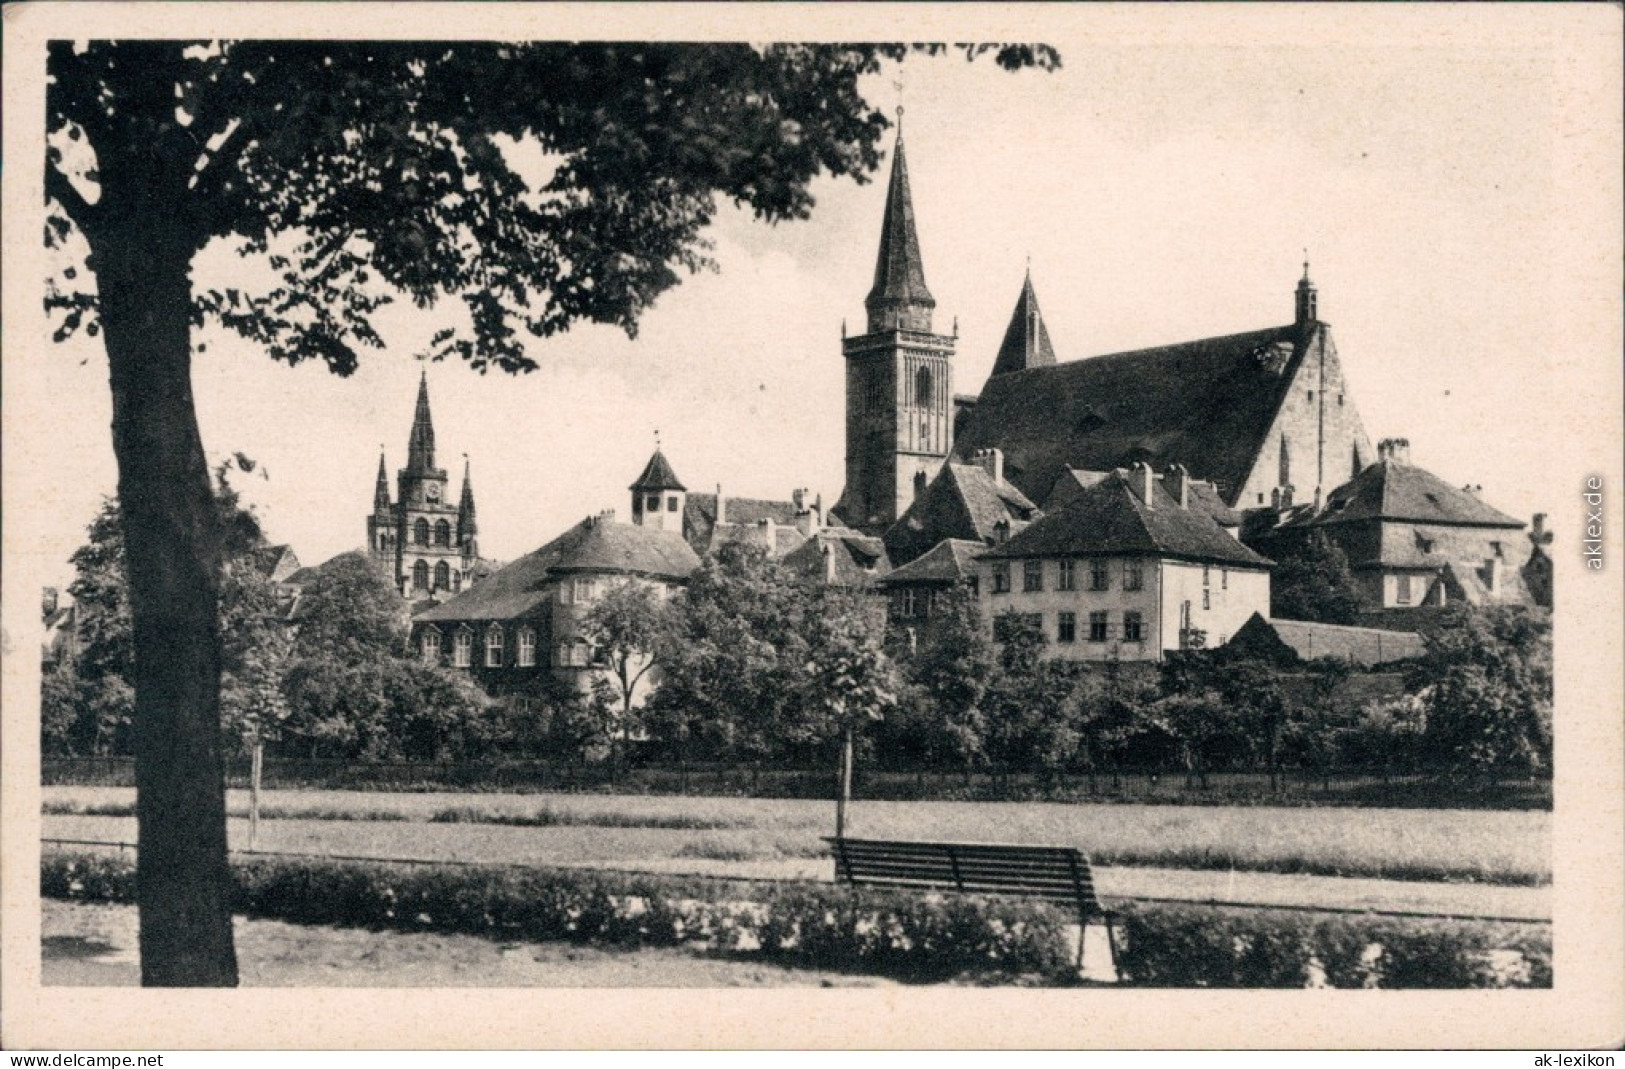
(1014, 513)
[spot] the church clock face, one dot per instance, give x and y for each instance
(432, 492)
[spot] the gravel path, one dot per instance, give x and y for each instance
(94, 945)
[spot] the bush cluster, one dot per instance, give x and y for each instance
(1162, 945)
(907, 935)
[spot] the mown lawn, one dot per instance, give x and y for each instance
(1490, 846)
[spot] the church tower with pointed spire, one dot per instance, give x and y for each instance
(899, 376)
(423, 542)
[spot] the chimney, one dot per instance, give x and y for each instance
(49, 601)
(722, 507)
(990, 461)
(1275, 499)
(829, 561)
(1178, 482)
(1142, 482)
(769, 539)
(1397, 450)
(1317, 499)
(1286, 496)
(798, 497)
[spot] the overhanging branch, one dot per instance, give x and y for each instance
(61, 190)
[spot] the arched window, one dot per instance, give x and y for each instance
(430, 645)
(442, 576)
(442, 533)
(527, 648)
(493, 647)
(420, 575)
(922, 386)
(462, 649)
(420, 532)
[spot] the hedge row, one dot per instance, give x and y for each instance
(907, 935)
(1164, 945)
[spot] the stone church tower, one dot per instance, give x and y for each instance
(423, 542)
(899, 377)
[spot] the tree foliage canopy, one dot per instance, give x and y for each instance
(371, 169)
(1313, 582)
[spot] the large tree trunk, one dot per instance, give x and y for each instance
(172, 539)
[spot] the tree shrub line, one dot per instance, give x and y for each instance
(763, 667)
(913, 936)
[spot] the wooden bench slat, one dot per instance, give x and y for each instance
(1051, 873)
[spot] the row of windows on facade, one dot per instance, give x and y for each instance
(575, 653)
(420, 534)
(878, 392)
(445, 578)
(1099, 576)
(1102, 628)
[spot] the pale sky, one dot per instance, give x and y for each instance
(1163, 191)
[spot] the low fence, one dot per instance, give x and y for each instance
(1345, 786)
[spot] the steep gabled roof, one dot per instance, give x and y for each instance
(963, 501)
(1388, 490)
(1110, 519)
(1206, 404)
(946, 562)
(657, 475)
(595, 545)
(1026, 340)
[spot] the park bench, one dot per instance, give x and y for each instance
(1056, 873)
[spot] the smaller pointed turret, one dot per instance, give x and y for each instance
(658, 496)
(380, 490)
(420, 447)
(467, 528)
(1026, 340)
(1308, 310)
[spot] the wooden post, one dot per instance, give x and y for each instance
(256, 763)
(845, 795)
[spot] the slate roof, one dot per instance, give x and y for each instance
(1111, 520)
(594, 545)
(657, 475)
(1388, 490)
(1206, 404)
(859, 559)
(899, 270)
(963, 501)
(1202, 496)
(1309, 640)
(700, 516)
(1026, 340)
(946, 562)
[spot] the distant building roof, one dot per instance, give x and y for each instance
(657, 475)
(1308, 640)
(1389, 490)
(596, 545)
(1111, 519)
(276, 563)
(946, 562)
(700, 520)
(1206, 404)
(1203, 496)
(964, 501)
(840, 556)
